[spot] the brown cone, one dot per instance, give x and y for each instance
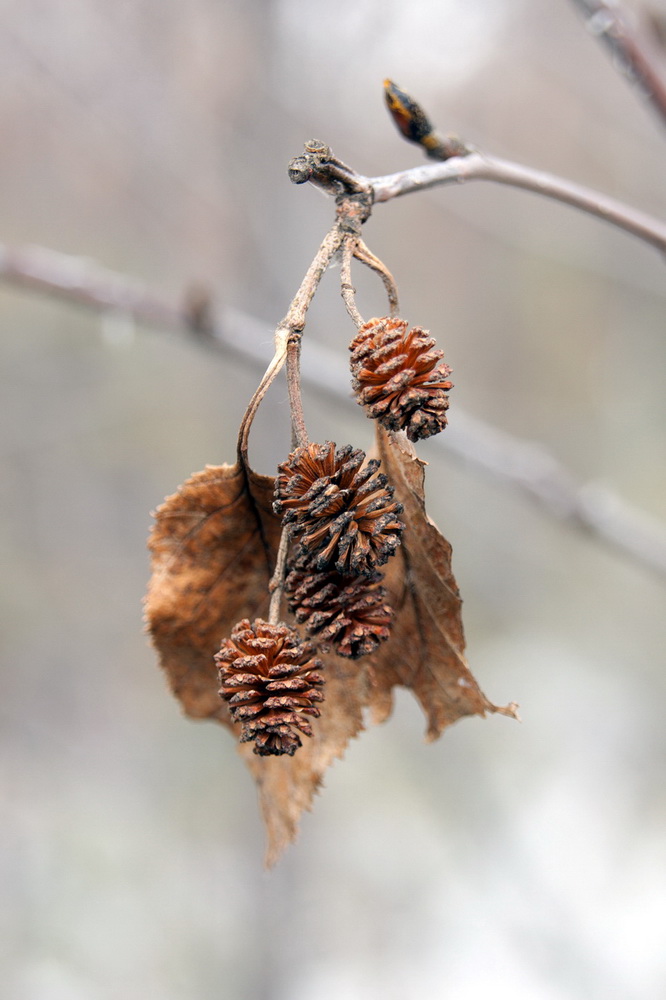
(342, 512)
(400, 378)
(269, 676)
(349, 614)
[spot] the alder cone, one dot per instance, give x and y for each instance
(269, 678)
(349, 614)
(400, 378)
(341, 511)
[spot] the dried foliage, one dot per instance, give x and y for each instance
(426, 651)
(213, 549)
(313, 539)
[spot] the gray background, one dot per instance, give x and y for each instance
(518, 861)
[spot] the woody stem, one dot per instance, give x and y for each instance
(276, 585)
(347, 289)
(365, 255)
(298, 429)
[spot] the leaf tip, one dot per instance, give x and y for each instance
(511, 710)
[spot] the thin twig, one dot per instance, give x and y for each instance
(276, 585)
(527, 467)
(288, 334)
(298, 429)
(467, 164)
(347, 289)
(612, 26)
(294, 321)
(368, 258)
(476, 166)
(267, 380)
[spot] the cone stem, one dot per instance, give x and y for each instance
(276, 585)
(298, 429)
(347, 289)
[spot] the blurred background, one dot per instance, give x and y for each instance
(527, 860)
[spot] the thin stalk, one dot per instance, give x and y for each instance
(347, 289)
(276, 585)
(267, 380)
(368, 258)
(289, 331)
(298, 429)
(294, 321)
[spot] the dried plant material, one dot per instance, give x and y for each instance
(424, 654)
(213, 547)
(272, 682)
(287, 785)
(399, 377)
(426, 650)
(348, 614)
(341, 510)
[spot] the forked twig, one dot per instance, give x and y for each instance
(287, 342)
(347, 289)
(365, 256)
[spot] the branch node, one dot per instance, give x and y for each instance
(319, 165)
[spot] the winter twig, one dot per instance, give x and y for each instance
(346, 286)
(477, 166)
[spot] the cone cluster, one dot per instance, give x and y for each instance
(270, 679)
(399, 377)
(343, 523)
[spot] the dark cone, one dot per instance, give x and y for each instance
(342, 512)
(400, 378)
(269, 676)
(349, 615)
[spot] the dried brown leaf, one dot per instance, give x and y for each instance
(426, 650)
(287, 785)
(213, 548)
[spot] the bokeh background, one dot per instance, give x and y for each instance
(526, 861)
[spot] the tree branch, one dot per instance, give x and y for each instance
(477, 166)
(613, 27)
(524, 465)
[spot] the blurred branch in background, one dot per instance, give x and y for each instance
(613, 26)
(522, 464)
